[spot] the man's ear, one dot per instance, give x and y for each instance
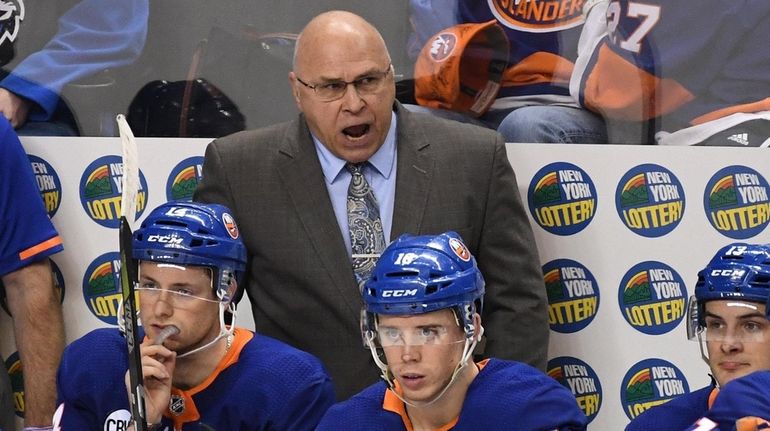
(294, 89)
(477, 326)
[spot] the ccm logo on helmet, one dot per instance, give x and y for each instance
(398, 293)
(728, 272)
(165, 239)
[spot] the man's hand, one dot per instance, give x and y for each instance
(157, 368)
(14, 108)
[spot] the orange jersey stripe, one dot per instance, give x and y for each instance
(539, 68)
(39, 248)
(762, 105)
(617, 89)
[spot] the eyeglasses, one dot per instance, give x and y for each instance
(428, 335)
(365, 85)
(177, 298)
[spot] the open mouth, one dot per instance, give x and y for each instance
(357, 131)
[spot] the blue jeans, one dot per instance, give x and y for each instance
(535, 124)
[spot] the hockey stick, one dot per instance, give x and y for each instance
(129, 272)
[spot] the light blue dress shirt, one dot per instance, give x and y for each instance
(380, 173)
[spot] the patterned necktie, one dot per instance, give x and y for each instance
(366, 237)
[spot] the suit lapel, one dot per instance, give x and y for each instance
(301, 173)
(415, 170)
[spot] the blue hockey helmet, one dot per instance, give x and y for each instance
(738, 272)
(192, 233)
(421, 274)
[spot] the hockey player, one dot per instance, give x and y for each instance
(198, 372)
(728, 313)
(421, 321)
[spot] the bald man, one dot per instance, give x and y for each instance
(288, 186)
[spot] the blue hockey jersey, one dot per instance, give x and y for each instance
(542, 34)
(505, 395)
(27, 234)
(677, 414)
(260, 384)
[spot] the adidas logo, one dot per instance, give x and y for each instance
(741, 138)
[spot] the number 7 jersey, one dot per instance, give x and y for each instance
(681, 61)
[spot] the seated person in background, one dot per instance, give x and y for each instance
(92, 36)
(421, 322)
(728, 313)
(536, 57)
(706, 86)
(205, 375)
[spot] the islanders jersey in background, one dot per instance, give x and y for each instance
(260, 384)
(26, 232)
(542, 35)
(505, 395)
(681, 62)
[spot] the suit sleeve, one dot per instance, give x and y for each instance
(515, 307)
(214, 187)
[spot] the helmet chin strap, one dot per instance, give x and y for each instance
(224, 331)
(387, 375)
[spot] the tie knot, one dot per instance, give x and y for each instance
(355, 168)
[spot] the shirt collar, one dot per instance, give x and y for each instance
(382, 161)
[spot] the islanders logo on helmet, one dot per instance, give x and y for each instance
(229, 222)
(650, 200)
(562, 198)
(538, 16)
(649, 383)
(581, 380)
(460, 249)
(100, 189)
(652, 297)
(101, 287)
(736, 202)
(184, 178)
(573, 295)
(11, 16)
(48, 182)
(460, 68)
(16, 375)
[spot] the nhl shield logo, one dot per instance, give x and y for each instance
(11, 15)
(176, 404)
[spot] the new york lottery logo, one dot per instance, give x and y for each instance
(650, 383)
(581, 380)
(652, 297)
(184, 178)
(100, 189)
(538, 16)
(650, 200)
(101, 287)
(562, 198)
(573, 295)
(16, 375)
(48, 182)
(736, 202)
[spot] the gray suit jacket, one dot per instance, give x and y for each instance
(450, 176)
